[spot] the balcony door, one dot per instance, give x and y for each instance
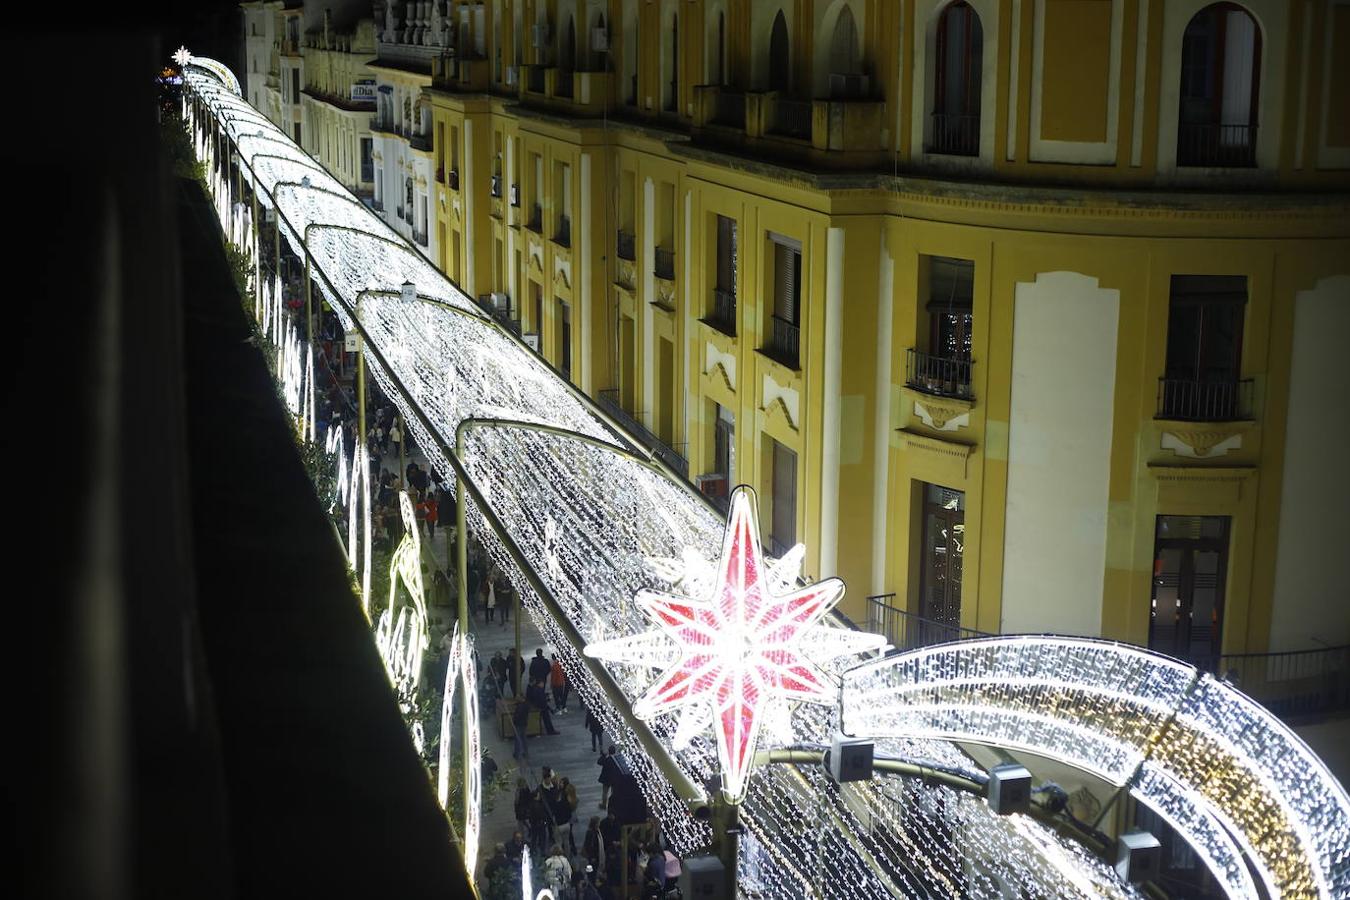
(1220, 78)
(1190, 570)
(957, 81)
(943, 549)
(783, 524)
(1204, 345)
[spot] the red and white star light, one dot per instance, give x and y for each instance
(753, 644)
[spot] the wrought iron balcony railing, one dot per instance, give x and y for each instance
(955, 135)
(907, 631)
(536, 222)
(723, 313)
(784, 341)
(562, 236)
(420, 237)
(792, 118)
(1190, 400)
(1214, 145)
(664, 264)
(454, 179)
(626, 245)
(495, 186)
(937, 375)
(730, 110)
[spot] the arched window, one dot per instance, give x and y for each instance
(567, 52)
(780, 58)
(1220, 79)
(844, 68)
(672, 88)
(958, 54)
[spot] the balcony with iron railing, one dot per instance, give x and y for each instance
(562, 234)
(453, 179)
(664, 266)
(722, 316)
(626, 245)
(420, 237)
(1189, 400)
(609, 400)
(784, 342)
(534, 79)
(729, 111)
(792, 118)
(937, 375)
(562, 84)
(906, 631)
(419, 141)
(495, 186)
(1213, 145)
(955, 135)
(535, 222)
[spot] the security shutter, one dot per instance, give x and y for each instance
(787, 278)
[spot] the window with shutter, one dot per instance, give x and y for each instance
(787, 275)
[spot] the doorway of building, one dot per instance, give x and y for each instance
(943, 549)
(1190, 569)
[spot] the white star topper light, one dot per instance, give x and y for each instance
(182, 57)
(743, 650)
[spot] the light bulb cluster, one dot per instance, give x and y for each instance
(1208, 759)
(598, 527)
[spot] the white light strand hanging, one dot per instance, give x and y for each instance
(460, 670)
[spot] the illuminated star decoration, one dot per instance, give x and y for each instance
(182, 56)
(742, 652)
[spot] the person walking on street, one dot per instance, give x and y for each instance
(557, 871)
(535, 696)
(597, 730)
(541, 822)
(490, 596)
(569, 799)
(540, 667)
(520, 719)
(499, 672)
(429, 510)
(396, 437)
(592, 844)
(609, 774)
(522, 804)
(557, 680)
(506, 599)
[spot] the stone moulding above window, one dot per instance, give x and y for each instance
(939, 413)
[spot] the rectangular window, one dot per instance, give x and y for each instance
(295, 85)
(1204, 350)
(724, 443)
(723, 312)
(367, 163)
(785, 307)
(783, 527)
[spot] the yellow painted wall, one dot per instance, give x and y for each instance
(1075, 70)
(1117, 222)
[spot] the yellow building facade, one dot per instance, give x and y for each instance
(1026, 313)
(339, 99)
